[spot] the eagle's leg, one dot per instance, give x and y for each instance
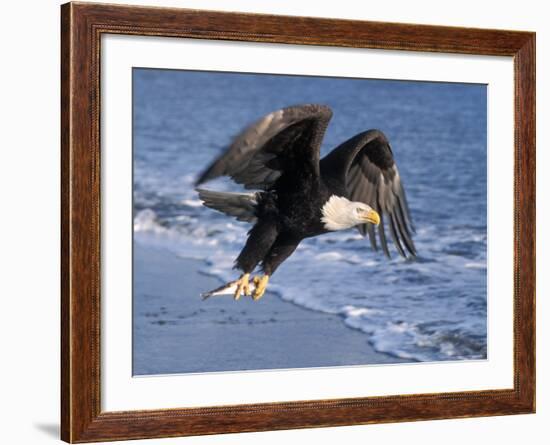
(243, 286)
(260, 284)
(260, 239)
(281, 249)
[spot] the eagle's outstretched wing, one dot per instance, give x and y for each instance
(287, 140)
(365, 167)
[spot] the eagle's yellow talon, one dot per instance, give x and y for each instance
(260, 284)
(243, 287)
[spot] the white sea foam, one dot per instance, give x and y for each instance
(192, 202)
(146, 221)
(351, 287)
(329, 256)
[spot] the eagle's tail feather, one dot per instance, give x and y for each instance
(240, 205)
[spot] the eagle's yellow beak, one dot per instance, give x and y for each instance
(372, 216)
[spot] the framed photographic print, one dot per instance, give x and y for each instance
(275, 222)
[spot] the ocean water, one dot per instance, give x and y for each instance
(432, 308)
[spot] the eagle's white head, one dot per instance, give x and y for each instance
(340, 214)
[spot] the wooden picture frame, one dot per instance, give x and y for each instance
(82, 25)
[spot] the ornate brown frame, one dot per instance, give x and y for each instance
(82, 25)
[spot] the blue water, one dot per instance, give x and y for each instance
(430, 309)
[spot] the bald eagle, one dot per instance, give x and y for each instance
(298, 195)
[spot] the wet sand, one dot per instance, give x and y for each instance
(176, 332)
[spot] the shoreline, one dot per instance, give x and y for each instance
(175, 332)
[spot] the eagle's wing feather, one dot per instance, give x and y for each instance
(285, 140)
(367, 169)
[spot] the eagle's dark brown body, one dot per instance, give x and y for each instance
(286, 214)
